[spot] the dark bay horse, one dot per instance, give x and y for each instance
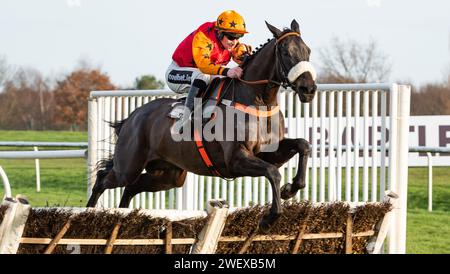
(145, 139)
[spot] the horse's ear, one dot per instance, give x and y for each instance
(276, 32)
(294, 26)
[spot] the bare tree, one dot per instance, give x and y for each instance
(26, 101)
(351, 61)
(448, 76)
(432, 99)
(3, 70)
(448, 65)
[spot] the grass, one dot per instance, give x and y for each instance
(418, 191)
(64, 182)
(428, 232)
(43, 136)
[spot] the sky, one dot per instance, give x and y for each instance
(130, 38)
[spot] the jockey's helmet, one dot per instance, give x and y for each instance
(231, 22)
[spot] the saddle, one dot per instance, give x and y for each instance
(210, 97)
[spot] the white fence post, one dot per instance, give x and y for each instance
(92, 143)
(6, 185)
(188, 192)
(430, 182)
(397, 244)
(38, 173)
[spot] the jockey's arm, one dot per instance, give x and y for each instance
(201, 51)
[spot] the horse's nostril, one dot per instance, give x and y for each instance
(312, 88)
(308, 89)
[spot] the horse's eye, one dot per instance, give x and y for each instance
(285, 53)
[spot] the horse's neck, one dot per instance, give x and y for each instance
(262, 68)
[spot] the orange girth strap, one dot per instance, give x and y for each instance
(204, 155)
(251, 110)
(247, 109)
(256, 112)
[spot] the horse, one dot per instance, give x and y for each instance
(144, 139)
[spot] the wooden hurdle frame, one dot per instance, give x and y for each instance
(13, 224)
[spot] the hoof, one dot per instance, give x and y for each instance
(267, 221)
(263, 226)
(286, 192)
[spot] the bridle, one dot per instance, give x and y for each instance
(285, 83)
(284, 72)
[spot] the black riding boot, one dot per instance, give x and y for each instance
(197, 87)
(193, 91)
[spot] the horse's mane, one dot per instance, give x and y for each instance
(255, 52)
(261, 46)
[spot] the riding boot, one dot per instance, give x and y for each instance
(189, 105)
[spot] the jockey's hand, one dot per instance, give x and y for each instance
(235, 72)
(249, 49)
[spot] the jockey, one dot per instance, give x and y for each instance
(203, 55)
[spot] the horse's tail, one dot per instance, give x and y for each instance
(105, 165)
(117, 126)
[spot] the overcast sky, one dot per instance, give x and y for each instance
(136, 37)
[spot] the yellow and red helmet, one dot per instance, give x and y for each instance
(231, 21)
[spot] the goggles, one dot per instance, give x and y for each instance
(232, 36)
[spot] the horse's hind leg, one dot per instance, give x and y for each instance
(152, 181)
(286, 150)
(101, 184)
(143, 183)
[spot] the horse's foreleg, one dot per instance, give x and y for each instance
(286, 150)
(245, 164)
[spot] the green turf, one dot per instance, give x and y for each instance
(43, 136)
(63, 183)
(428, 232)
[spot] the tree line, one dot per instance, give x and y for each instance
(28, 101)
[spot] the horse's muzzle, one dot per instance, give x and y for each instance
(306, 94)
(305, 87)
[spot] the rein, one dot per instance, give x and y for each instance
(259, 82)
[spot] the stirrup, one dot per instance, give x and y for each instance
(181, 122)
